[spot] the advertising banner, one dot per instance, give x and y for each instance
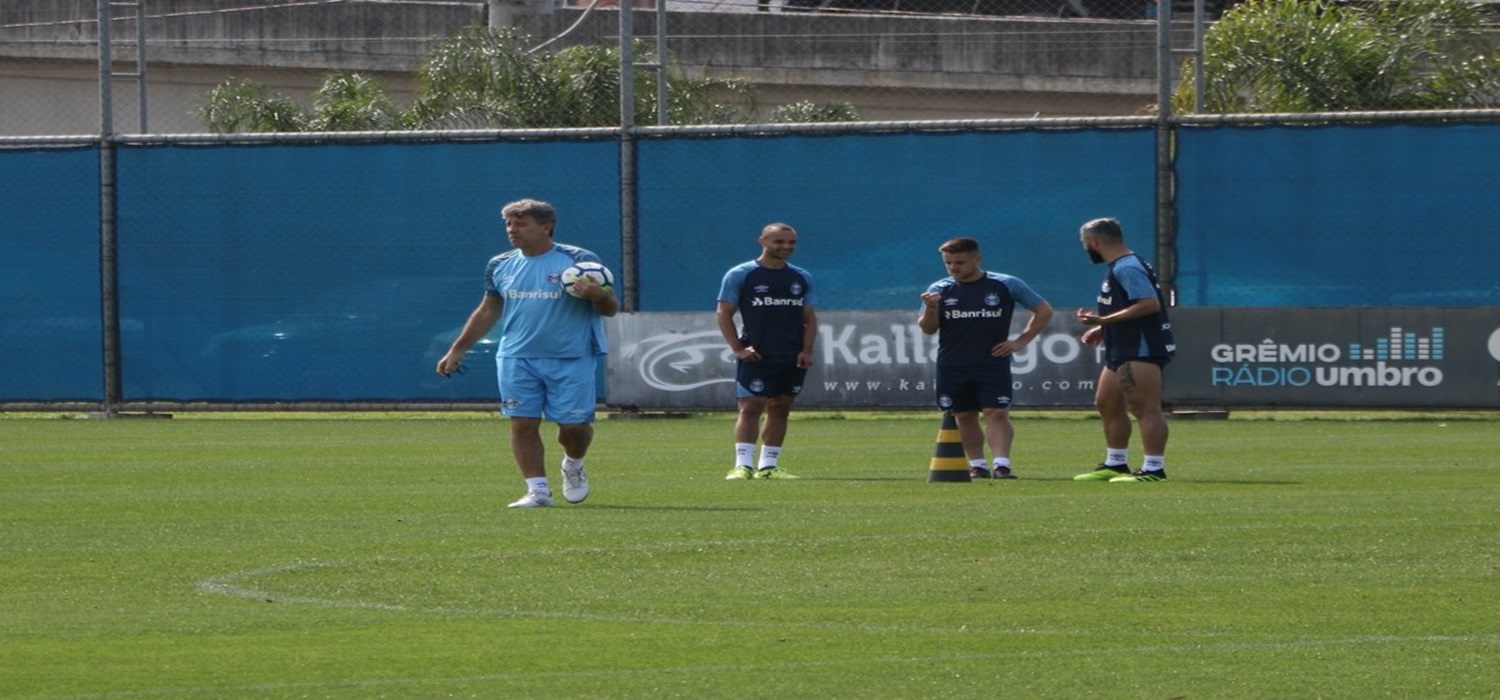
(864, 359)
(1400, 357)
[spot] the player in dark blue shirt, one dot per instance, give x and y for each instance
(1132, 324)
(773, 348)
(971, 310)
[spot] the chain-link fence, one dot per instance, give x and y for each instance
(882, 59)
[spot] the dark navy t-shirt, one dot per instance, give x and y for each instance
(770, 302)
(974, 317)
(1131, 278)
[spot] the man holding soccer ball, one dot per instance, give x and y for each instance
(772, 350)
(970, 310)
(550, 345)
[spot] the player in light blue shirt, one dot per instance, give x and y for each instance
(549, 350)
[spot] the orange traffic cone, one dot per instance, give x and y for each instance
(948, 460)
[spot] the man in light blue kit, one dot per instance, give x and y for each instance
(549, 351)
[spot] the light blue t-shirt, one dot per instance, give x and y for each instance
(539, 319)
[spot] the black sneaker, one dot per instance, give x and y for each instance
(1104, 472)
(1004, 473)
(979, 473)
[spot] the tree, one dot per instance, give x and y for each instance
(806, 112)
(488, 79)
(1295, 56)
(352, 102)
(241, 105)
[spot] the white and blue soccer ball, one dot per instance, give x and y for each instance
(595, 271)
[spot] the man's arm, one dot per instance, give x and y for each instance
(1144, 306)
(809, 337)
(1041, 314)
(605, 302)
(480, 322)
(930, 318)
(724, 315)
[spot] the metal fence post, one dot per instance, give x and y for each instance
(109, 283)
(1166, 200)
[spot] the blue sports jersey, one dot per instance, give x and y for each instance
(538, 319)
(1131, 278)
(770, 302)
(974, 317)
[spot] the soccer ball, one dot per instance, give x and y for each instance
(595, 271)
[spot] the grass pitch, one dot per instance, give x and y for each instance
(338, 557)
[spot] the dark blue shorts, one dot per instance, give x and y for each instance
(970, 388)
(1113, 363)
(768, 378)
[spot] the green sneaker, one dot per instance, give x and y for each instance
(740, 472)
(1141, 475)
(1104, 472)
(775, 473)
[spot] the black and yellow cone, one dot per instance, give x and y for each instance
(948, 460)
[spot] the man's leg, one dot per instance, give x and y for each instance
(1109, 400)
(526, 446)
(1141, 387)
(747, 424)
(772, 435)
(970, 434)
(999, 431)
(778, 410)
(575, 439)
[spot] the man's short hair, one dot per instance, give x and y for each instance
(1103, 228)
(960, 245)
(539, 211)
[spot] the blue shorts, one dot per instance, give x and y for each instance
(561, 390)
(768, 378)
(967, 388)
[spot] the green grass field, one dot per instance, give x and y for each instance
(211, 556)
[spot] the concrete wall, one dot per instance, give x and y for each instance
(906, 67)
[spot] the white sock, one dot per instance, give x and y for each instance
(1114, 457)
(1002, 462)
(768, 457)
(538, 485)
(571, 464)
(744, 454)
(1154, 463)
(976, 463)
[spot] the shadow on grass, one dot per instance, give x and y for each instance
(1244, 482)
(857, 478)
(669, 508)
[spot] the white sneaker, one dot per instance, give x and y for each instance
(575, 485)
(534, 499)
